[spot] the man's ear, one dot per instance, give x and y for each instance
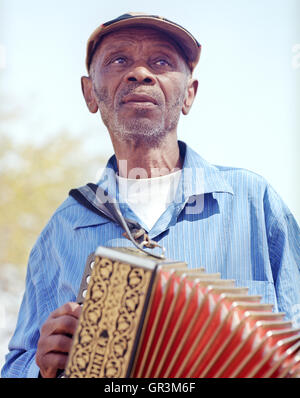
(190, 96)
(88, 93)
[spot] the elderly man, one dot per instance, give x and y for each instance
(225, 219)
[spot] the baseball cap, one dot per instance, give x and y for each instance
(184, 39)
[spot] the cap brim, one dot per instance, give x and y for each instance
(188, 44)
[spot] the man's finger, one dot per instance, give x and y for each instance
(65, 324)
(51, 363)
(71, 308)
(56, 343)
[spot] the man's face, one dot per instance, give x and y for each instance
(140, 83)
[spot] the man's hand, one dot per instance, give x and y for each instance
(56, 338)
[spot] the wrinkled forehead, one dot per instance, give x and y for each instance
(138, 34)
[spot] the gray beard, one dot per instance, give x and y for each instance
(139, 130)
(142, 131)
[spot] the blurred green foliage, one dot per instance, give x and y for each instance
(34, 180)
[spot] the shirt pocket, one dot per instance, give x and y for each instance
(265, 289)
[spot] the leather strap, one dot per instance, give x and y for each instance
(91, 196)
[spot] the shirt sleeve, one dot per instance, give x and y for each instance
(20, 361)
(35, 308)
(284, 251)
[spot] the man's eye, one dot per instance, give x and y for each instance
(119, 61)
(162, 62)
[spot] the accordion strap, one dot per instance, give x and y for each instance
(91, 196)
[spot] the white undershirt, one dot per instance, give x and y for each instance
(148, 198)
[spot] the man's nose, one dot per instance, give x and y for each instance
(141, 75)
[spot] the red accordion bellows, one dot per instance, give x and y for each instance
(196, 328)
(147, 318)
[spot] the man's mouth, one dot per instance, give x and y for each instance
(139, 99)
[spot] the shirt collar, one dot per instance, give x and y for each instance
(198, 177)
(89, 219)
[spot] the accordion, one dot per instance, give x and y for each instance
(148, 318)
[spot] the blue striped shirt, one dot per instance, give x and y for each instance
(227, 220)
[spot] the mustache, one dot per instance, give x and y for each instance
(139, 89)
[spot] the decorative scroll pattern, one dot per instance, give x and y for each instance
(103, 342)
